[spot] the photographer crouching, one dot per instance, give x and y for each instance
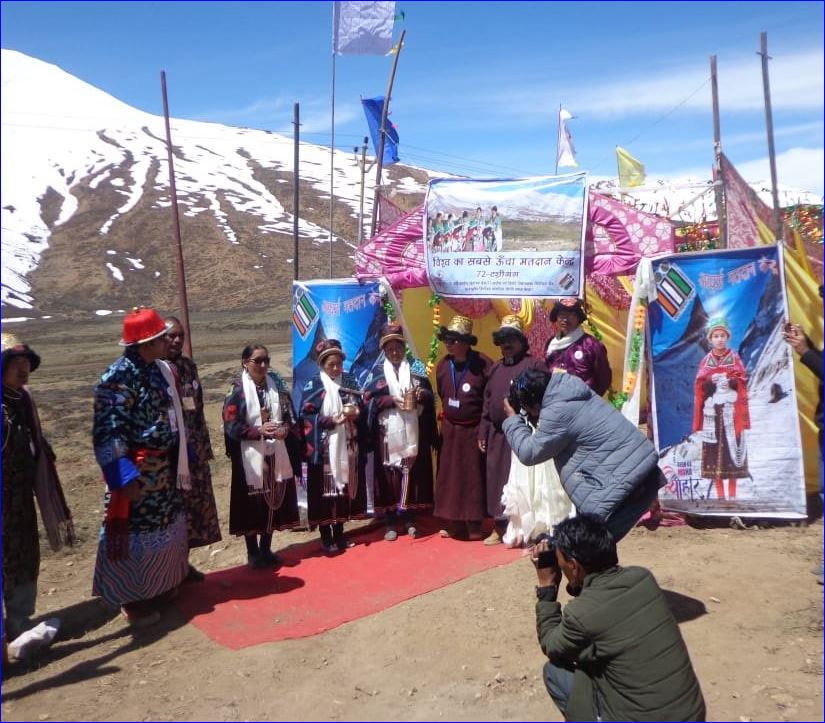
(615, 652)
(607, 467)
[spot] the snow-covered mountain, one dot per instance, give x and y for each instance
(86, 203)
(72, 152)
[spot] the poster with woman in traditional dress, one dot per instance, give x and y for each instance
(724, 408)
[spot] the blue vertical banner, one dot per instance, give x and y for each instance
(373, 108)
(342, 309)
(725, 418)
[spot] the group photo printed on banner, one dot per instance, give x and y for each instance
(724, 406)
(500, 238)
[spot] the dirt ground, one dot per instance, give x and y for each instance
(748, 607)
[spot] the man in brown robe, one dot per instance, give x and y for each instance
(515, 358)
(461, 377)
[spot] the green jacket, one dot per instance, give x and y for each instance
(624, 642)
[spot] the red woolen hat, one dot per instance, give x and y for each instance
(142, 325)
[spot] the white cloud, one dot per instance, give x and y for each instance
(796, 84)
(799, 168)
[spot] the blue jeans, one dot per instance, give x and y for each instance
(628, 513)
(559, 684)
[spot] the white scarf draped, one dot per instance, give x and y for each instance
(337, 436)
(254, 452)
(184, 481)
(401, 426)
(560, 344)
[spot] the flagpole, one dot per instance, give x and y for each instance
(382, 132)
(332, 166)
(558, 141)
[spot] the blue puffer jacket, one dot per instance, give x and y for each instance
(601, 457)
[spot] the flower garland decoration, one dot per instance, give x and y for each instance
(701, 236)
(434, 303)
(806, 220)
(634, 353)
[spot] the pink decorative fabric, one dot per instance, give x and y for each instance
(619, 235)
(742, 212)
(388, 213)
(396, 253)
(473, 308)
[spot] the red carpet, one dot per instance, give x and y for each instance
(313, 592)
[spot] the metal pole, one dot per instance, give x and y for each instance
(296, 178)
(332, 168)
(558, 142)
(766, 84)
(182, 300)
(363, 180)
(719, 189)
(383, 130)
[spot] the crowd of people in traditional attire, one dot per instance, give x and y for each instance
(473, 233)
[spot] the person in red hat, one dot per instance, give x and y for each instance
(574, 351)
(140, 444)
(199, 502)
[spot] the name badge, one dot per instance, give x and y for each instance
(454, 403)
(188, 403)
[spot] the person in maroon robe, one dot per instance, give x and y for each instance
(575, 351)
(515, 358)
(461, 377)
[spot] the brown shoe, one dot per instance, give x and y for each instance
(493, 538)
(141, 621)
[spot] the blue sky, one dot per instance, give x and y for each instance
(478, 84)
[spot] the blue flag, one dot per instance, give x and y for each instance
(373, 107)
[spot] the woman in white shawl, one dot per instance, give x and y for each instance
(402, 426)
(333, 422)
(263, 441)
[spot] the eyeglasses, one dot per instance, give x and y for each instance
(264, 360)
(448, 342)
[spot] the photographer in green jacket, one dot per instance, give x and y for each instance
(615, 652)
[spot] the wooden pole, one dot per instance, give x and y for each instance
(182, 300)
(719, 188)
(766, 85)
(383, 130)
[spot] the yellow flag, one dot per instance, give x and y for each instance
(631, 170)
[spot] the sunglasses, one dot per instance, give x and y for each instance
(448, 342)
(259, 360)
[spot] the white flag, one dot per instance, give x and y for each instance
(565, 152)
(362, 28)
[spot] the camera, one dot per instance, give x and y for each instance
(513, 398)
(547, 558)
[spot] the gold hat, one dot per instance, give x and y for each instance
(510, 326)
(461, 328)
